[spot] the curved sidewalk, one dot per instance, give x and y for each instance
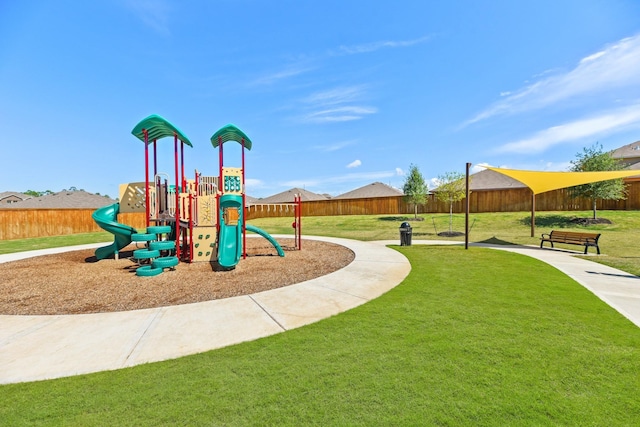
(618, 289)
(43, 347)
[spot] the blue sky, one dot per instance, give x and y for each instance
(334, 94)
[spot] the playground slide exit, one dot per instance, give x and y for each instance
(230, 238)
(267, 236)
(106, 217)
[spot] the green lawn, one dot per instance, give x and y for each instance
(466, 339)
(21, 245)
(618, 243)
(476, 337)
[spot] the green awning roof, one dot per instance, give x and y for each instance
(158, 128)
(230, 133)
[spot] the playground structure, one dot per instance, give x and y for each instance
(190, 220)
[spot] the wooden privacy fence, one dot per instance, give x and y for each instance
(25, 223)
(38, 222)
(509, 200)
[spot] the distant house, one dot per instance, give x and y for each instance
(628, 155)
(288, 196)
(490, 180)
(9, 197)
(63, 199)
(376, 189)
(248, 200)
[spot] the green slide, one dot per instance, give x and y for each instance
(230, 238)
(266, 236)
(106, 217)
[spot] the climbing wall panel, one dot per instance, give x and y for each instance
(204, 244)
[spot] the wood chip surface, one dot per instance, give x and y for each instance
(75, 282)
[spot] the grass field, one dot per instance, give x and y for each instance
(468, 338)
(618, 243)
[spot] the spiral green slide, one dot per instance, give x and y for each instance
(106, 217)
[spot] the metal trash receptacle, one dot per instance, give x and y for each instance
(405, 234)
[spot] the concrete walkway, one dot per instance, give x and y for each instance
(617, 288)
(43, 347)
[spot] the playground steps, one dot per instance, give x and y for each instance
(156, 245)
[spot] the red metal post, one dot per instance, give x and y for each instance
(190, 234)
(220, 181)
(146, 173)
(182, 163)
(244, 218)
(175, 156)
(299, 222)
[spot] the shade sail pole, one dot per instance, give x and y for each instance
(533, 213)
(466, 209)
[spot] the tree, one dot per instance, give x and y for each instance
(415, 189)
(594, 159)
(34, 193)
(452, 188)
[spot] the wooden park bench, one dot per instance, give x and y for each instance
(572, 238)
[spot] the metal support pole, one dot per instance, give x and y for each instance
(244, 217)
(175, 157)
(466, 209)
(146, 174)
(533, 213)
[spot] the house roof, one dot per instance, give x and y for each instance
(13, 194)
(249, 200)
(288, 195)
(63, 199)
(629, 151)
(490, 180)
(375, 189)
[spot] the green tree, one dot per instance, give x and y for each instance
(34, 193)
(452, 188)
(415, 189)
(593, 159)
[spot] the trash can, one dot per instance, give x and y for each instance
(405, 234)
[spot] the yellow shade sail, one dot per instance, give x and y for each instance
(540, 182)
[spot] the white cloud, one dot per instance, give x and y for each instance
(354, 164)
(287, 73)
(339, 179)
(338, 95)
(253, 184)
(337, 105)
(340, 114)
(588, 128)
(335, 146)
(540, 166)
(615, 67)
(372, 47)
(153, 13)
(400, 172)
(478, 168)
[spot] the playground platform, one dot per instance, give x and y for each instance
(43, 347)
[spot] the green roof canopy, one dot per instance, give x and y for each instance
(230, 133)
(157, 128)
